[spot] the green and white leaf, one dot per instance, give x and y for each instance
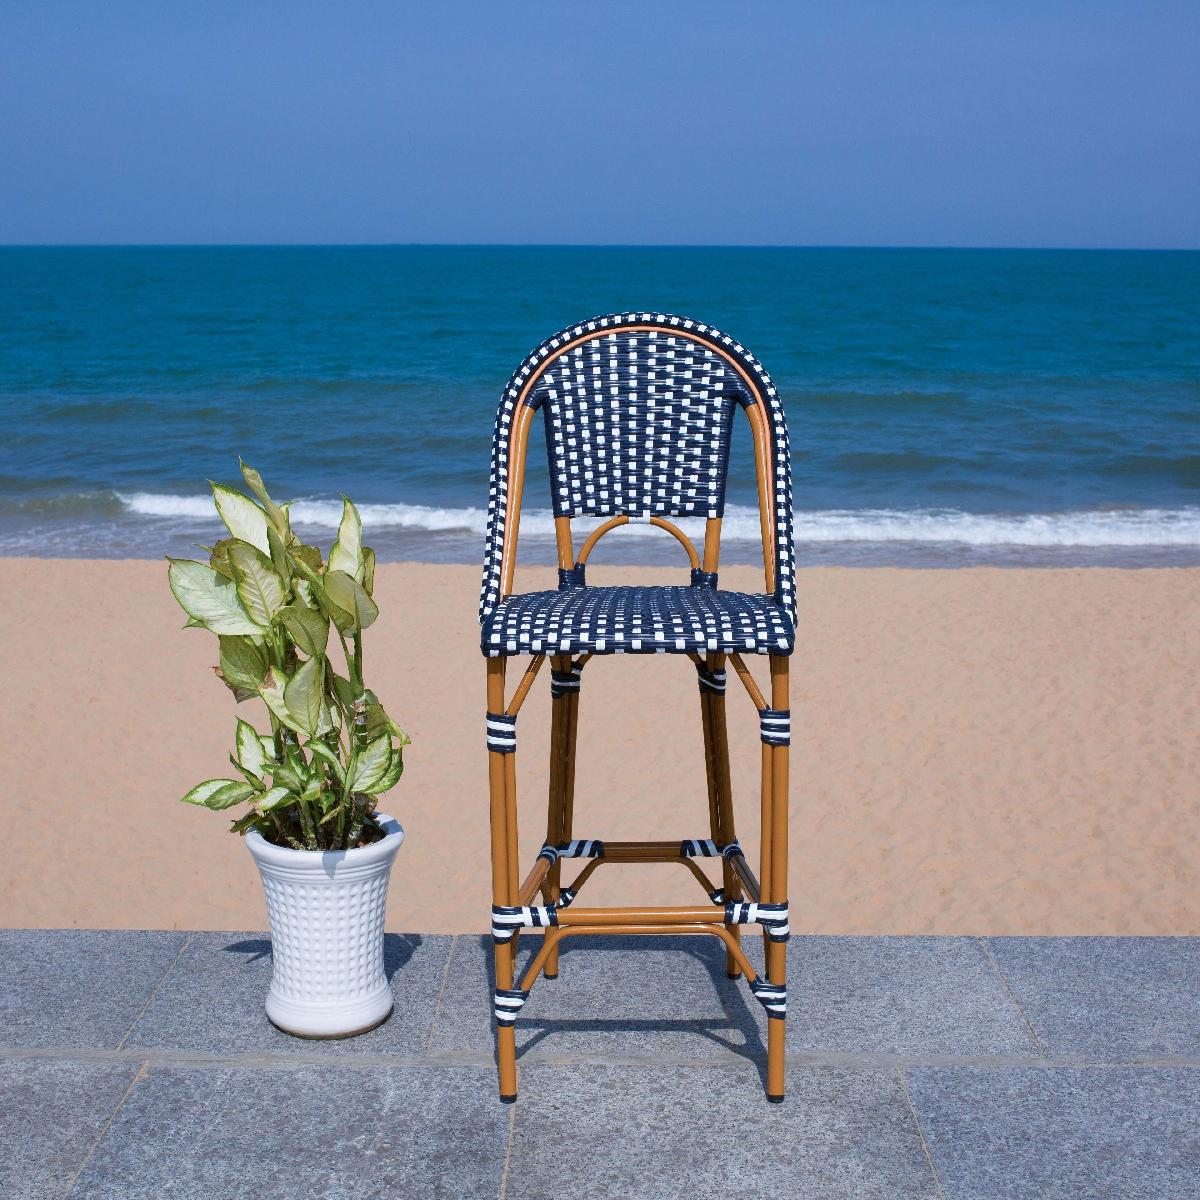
(273, 691)
(259, 586)
(370, 766)
(254, 780)
(283, 774)
(201, 792)
(391, 776)
(326, 755)
(379, 722)
(209, 598)
(279, 558)
(302, 696)
(276, 513)
(249, 748)
(219, 793)
(303, 591)
(218, 558)
(243, 518)
(274, 798)
(310, 556)
(308, 629)
(346, 554)
(368, 579)
(350, 597)
(243, 664)
(344, 689)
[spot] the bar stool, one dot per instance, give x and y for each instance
(638, 411)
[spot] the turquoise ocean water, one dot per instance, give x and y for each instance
(946, 406)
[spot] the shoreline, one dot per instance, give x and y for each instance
(540, 552)
(118, 525)
(977, 751)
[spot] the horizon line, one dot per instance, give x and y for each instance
(371, 245)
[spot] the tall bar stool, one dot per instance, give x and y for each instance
(638, 409)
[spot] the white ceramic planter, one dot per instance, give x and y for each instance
(326, 911)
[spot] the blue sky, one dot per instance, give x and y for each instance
(902, 123)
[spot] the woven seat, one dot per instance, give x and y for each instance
(638, 620)
(638, 411)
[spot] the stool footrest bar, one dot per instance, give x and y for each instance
(708, 915)
(707, 848)
(576, 848)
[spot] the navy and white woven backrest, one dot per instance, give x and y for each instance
(638, 410)
(638, 423)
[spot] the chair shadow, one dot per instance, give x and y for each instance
(740, 1017)
(398, 948)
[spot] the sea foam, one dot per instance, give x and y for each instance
(1086, 528)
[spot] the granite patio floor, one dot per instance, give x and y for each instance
(140, 1064)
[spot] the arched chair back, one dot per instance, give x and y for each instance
(638, 411)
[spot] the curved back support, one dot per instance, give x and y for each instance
(638, 410)
(638, 423)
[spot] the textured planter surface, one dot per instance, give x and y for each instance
(326, 910)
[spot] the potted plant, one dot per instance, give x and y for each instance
(312, 781)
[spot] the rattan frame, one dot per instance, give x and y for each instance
(544, 879)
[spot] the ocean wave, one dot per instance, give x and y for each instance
(323, 514)
(1100, 528)
(1090, 528)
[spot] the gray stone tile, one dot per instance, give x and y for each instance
(912, 996)
(1107, 997)
(51, 1113)
(657, 1132)
(625, 997)
(1061, 1133)
(333, 1132)
(78, 987)
(212, 1002)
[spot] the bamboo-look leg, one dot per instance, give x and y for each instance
(777, 834)
(504, 880)
(571, 701)
(556, 807)
(720, 795)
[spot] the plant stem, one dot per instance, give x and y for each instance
(349, 659)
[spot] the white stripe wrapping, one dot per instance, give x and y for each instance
(506, 920)
(775, 726)
(707, 848)
(509, 1002)
(562, 682)
(772, 917)
(501, 733)
(576, 848)
(772, 996)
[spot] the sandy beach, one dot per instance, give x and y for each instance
(978, 751)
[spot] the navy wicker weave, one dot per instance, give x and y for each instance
(638, 411)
